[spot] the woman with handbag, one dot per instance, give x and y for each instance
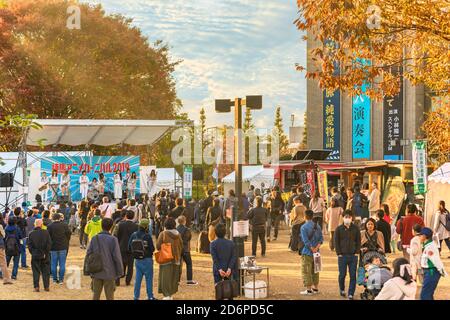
(169, 246)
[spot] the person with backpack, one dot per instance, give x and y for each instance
(39, 245)
(304, 198)
(186, 236)
(405, 227)
(441, 226)
(60, 235)
(142, 248)
(123, 231)
(104, 248)
(336, 195)
(106, 208)
(3, 266)
(13, 237)
(311, 237)
(347, 241)
(213, 218)
(161, 212)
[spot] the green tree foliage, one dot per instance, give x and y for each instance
(279, 131)
(105, 70)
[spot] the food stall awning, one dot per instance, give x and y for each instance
(357, 167)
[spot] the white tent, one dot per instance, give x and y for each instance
(438, 189)
(251, 175)
(75, 132)
(165, 178)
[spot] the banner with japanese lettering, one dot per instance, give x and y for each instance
(393, 125)
(94, 166)
(332, 118)
(322, 184)
(361, 115)
(419, 158)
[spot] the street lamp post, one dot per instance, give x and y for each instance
(224, 105)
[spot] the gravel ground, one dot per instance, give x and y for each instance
(285, 277)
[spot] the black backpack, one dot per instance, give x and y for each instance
(93, 263)
(11, 246)
(138, 248)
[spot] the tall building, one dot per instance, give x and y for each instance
(356, 128)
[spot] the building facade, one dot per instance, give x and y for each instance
(356, 128)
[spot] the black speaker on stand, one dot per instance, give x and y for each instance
(197, 174)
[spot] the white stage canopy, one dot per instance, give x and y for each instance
(76, 132)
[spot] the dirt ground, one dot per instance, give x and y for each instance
(285, 278)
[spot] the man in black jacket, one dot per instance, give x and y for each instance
(39, 245)
(60, 235)
(347, 241)
(303, 197)
(385, 228)
(125, 229)
(258, 218)
(178, 210)
(186, 236)
(290, 203)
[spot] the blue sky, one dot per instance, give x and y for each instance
(229, 48)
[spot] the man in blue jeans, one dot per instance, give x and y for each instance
(60, 236)
(141, 247)
(347, 240)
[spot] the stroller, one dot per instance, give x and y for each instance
(374, 277)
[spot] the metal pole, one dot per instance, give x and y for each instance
(238, 241)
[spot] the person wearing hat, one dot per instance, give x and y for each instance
(431, 264)
(39, 245)
(142, 248)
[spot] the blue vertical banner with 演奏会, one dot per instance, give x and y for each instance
(332, 116)
(361, 116)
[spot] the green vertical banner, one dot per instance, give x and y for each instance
(419, 157)
(187, 182)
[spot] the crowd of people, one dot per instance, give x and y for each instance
(129, 235)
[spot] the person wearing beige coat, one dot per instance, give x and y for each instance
(372, 239)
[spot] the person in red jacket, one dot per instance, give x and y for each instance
(405, 227)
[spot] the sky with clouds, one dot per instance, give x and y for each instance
(229, 48)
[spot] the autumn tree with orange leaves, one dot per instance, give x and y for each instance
(413, 34)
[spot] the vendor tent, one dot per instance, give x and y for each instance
(438, 189)
(251, 175)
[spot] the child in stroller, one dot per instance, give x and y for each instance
(376, 275)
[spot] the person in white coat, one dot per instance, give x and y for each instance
(374, 200)
(45, 186)
(439, 225)
(84, 185)
(415, 254)
(54, 185)
(401, 286)
(118, 185)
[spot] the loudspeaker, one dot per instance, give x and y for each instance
(6, 180)
(197, 174)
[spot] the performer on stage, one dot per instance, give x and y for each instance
(65, 184)
(94, 184)
(118, 185)
(84, 185)
(101, 183)
(132, 181)
(151, 183)
(43, 187)
(54, 184)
